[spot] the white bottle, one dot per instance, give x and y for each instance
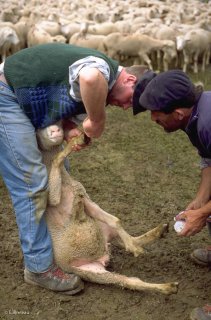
(179, 225)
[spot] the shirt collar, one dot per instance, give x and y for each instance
(193, 118)
(117, 75)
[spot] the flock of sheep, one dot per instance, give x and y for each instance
(152, 32)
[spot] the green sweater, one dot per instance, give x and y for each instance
(39, 77)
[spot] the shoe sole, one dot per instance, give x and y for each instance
(200, 262)
(70, 292)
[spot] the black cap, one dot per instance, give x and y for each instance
(139, 89)
(167, 91)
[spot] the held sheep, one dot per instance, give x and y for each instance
(80, 229)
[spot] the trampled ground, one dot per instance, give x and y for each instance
(144, 176)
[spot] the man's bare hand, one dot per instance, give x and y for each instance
(195, 220)
(71, 131)
(93, 129)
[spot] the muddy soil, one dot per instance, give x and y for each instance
(144, 176)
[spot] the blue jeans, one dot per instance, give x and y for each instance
(26, 179)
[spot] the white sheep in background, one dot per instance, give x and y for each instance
(52, 27)
(195, 44)
(154, 18)
(163, 32)
(92, 41)
(104, 28)
(140, 47)
(37, 35)
(8, 38)
(69, 29)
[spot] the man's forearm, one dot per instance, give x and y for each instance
(205, 211)
(94, 91)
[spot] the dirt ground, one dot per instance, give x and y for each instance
(144, 176)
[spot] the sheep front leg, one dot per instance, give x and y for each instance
(55, 177)
(146, 59)
(204, 57)
(186, 61)
(207, 57)
(195, 62)
(131, 244)
(158, 53)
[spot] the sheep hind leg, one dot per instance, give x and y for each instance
(204, 58)
(158, 53)
(146, 60)
(195, 62)
(130, 243)
(102, 276)
(186, 61)
(151, 235)
(208, 57)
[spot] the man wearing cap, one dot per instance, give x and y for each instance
(176, 103)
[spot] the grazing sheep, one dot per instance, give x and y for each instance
(89, 41)
(52, 27)
(69, 29)
(104, 28)
(140, 47)
(8, 38)
(9, 14)
(37, 36)
(80, 229)
(194, 44)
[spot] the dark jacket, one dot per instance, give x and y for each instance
(199, 125)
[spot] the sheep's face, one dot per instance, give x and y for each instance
(180, 42)
(50, 136)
